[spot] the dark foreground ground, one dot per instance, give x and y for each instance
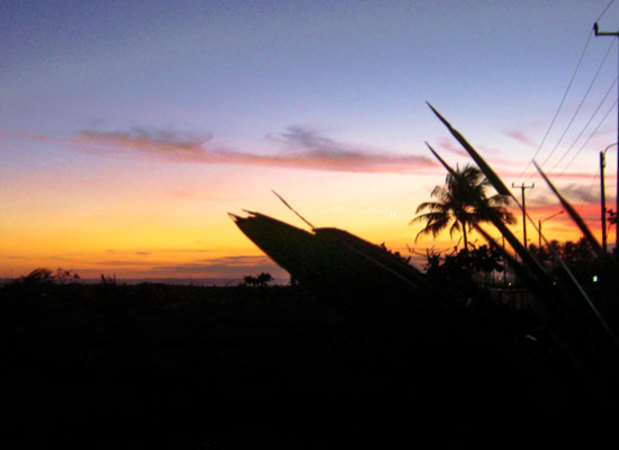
(107, 366)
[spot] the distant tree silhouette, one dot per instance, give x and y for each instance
(405, 259)
(459, 270)
(108, 280)
(40, 275)
(261, 280)
(44, 275)
(63, 275)
(458, 205)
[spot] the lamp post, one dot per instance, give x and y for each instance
(539, 225)
(603, 193)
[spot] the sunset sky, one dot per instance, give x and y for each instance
(128, 129)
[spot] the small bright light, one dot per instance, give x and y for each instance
(392, 214)
(595, 278)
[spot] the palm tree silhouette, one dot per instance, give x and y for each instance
(461, 202)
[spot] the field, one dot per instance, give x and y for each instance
(119, 366)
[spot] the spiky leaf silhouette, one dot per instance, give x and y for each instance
(533, 268)
(485, 168)
(461, 201)
(595, 331)
(571, 211)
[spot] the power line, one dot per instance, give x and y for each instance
(597, 73)
(611, 109)
(567, 89)
(597, 32)
(552, 122)
(587, 124)
(594, 181)
(605, 9)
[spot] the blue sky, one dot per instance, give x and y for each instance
(126, 107)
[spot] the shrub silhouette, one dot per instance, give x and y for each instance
(38, 276)
(43, 275)
(261, 280)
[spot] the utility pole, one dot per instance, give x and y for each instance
(522, 187)
(504, 265)
(616, 34)
(603, 194)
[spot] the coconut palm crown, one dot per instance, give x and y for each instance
(461, 204)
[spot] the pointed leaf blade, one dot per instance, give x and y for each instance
(531, 262)
(572, 212)
(481, 163)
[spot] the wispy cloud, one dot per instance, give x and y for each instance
(214, 264)
(574, 193)
(299, 137)
(521, 137)
(449, 145)
(581, 193)
(554, 176)
(163, 263)
(303, 148)
(165, 145)
(230, 265)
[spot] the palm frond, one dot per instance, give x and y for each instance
(431, 206)
(592, 327)
(454, 227)
(429, 217)
(525, 255)
(435, 223)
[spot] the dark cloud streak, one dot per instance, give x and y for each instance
(572, 192)
(232, 265)
(304, 148)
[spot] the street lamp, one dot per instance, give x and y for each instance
(539, 225)
(603, 193)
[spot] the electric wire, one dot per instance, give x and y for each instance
(597, 73)
(605, 9)
(554, 118)
(594, 180)
(611, 109)
(586, 125)
(569, 85)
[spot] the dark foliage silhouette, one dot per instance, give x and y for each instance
(458, 207)
(44, 275)
(612, 217)
(262, 280)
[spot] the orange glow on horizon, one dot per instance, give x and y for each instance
(171, 220)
